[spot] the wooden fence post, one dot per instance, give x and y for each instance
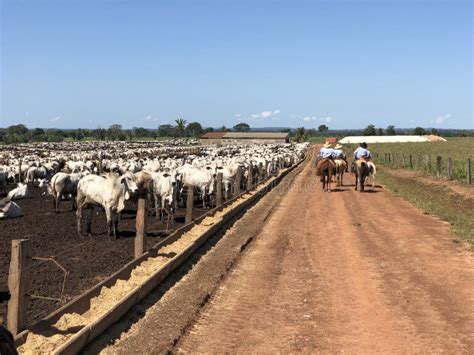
(189, 205)
(100, 168)
(249, 178)
(469, 171)
(19, 172)
(237, 181)
(140, 228)
(260, 172)
(450, 168)
(219, 190)
(18, 284)
(411, 161)
(438, 166)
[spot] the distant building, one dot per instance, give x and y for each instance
(331, 139)
(244, 137)
(390, 139)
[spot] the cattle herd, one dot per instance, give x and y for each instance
(104, 175)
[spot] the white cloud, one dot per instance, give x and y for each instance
(55, 119)
(147, 118)
(324, 119)
(238, 115)
(441, 119)
(266, 115)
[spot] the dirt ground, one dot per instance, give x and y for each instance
(88, 259)
(344, 272)
(327, 272)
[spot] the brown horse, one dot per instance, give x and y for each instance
(362, 170)
(326, 168)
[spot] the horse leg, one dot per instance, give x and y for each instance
(329, 179)
(356, 181)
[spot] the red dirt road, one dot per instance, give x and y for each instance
(343, 271)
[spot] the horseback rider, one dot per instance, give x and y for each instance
(361, 153)
(325, 153)
(339, 154)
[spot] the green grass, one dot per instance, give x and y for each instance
(434, 199)
(424, 156)
(316, 139)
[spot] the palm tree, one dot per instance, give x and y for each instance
(180, 127)
(300, 135)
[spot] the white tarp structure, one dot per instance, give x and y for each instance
(390, 139)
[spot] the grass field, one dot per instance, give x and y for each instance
(437, 199)
(424, 156)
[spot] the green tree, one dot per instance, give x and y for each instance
(139, 132)
(114, 132)
(242, 127)
(180, 127)
(19, 129)
(99, 133)
(419, 131)
(194, 129)
(369, 130)
(208, 129)
(323, 128)
(300, 135)
(380, 131)
(390, 130)
(166, 130)
(434, 132)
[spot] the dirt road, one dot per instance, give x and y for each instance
(343, 271)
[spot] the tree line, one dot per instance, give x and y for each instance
(20, 133)
(182, 129)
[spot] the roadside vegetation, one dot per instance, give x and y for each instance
(436, 199)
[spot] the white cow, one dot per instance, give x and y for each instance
(163, 188)
(10, 210)
(110, 192)
(202, 178)
(35, 173)
(63, 184)
(20, 192)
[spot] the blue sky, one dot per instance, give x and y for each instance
(71, 63)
